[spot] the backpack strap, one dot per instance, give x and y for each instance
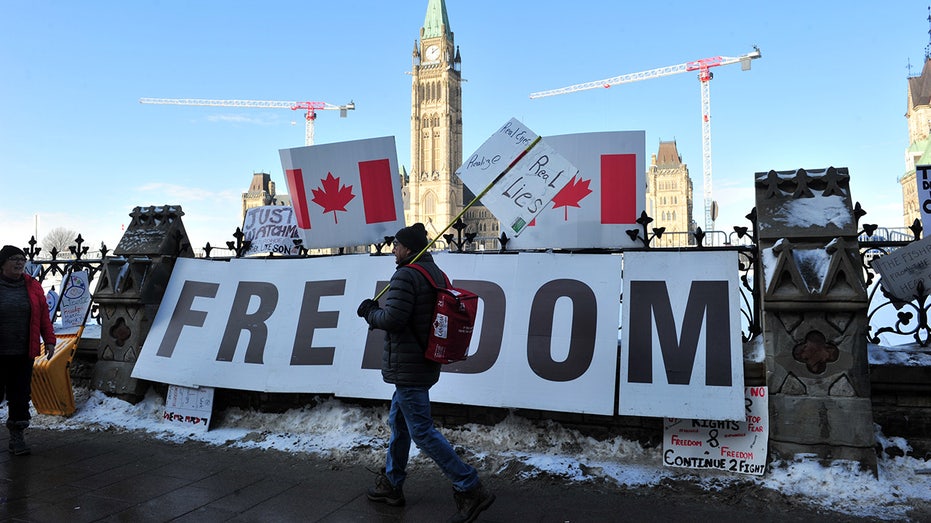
(422, 270)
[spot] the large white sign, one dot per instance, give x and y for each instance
(681, 354)
(923, 180)
(291, 326)
(520, 173)
(734, 446)
(345, 193)
(597, 206)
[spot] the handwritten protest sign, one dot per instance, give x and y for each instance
(735, 446)
(902, 270)
(530, 184)
(923, 180)
(271, 228)
(190, 407)
(75, 299)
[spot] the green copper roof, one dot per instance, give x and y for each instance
(436, 20)
(925, 147)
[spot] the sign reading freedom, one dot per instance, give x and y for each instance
(546, 336)
(547, 328)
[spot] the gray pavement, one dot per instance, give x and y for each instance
(78, 476)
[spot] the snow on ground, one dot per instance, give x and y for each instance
(357, 434)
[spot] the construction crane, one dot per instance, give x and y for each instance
(703, 67)
(310, 107)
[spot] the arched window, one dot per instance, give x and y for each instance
(429, 204)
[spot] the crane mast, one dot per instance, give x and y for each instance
(311, 108)
(703, 67)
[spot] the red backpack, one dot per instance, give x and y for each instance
(453, 321)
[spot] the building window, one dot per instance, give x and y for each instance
(429, 204)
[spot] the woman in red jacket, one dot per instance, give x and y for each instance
(24, 319)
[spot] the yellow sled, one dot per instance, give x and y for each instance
(51, 378)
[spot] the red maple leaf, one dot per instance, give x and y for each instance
(332, 197)
(571, 195)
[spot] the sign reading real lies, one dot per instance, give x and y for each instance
(546, 334)
(531, 174)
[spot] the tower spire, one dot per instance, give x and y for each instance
(436, 23)
(928, 47)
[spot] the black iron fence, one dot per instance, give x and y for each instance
(890, 320)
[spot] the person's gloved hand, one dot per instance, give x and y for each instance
(367, 306)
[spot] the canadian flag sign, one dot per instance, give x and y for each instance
(520, 173)
(601, 202)
(345, 193)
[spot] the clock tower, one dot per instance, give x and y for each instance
(435, 193)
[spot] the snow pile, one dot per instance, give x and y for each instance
(519, 449)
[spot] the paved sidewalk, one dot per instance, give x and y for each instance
(78, 476)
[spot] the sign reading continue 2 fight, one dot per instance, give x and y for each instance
(681, 354)
(545, 337)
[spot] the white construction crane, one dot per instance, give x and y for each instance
(310, 107)
(703, 67)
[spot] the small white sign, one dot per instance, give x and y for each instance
(190, 407)
(522, 175)
(902, 270)
(75, 299)
(270, 229)
(734, 446)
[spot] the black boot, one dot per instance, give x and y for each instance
(471, 503)
(18, 446)
(385, 492)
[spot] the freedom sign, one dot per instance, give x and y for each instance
(520, 172)
(598, 205)
(345, 193)
(681, 355)
(290, 325)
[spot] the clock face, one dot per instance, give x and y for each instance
(433, 53)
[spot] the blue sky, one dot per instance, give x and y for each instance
(79, 151)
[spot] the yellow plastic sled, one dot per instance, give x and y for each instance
(51, 378)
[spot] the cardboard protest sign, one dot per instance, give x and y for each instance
(734, 446)
(270, 229)
(524, 174)
(601, 203)
(75, 299)
(903, 268)
(189, 406)
(345, 193)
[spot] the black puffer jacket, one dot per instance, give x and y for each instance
(406, 320)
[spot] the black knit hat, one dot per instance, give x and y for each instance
(413, 237)
(8, 251)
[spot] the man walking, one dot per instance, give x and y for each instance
(406, 320)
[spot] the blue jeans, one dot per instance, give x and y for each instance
(410, 419)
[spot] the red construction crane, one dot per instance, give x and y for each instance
(703, 67)
(310, 107)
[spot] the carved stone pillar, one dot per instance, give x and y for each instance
(814, 316)
(129, 291)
